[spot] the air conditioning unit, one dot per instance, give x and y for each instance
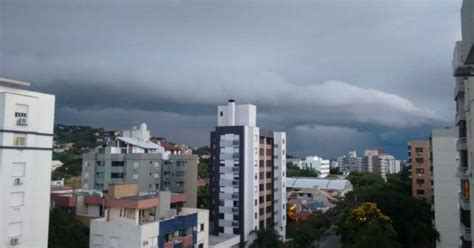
(17, 181)
(22, 121)
(14, 241)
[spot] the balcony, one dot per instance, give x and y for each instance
(466, 232)
(460, 115)
(463, 173)
(458, 89)
(461, 144)
(464, 202)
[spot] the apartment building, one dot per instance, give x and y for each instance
(128, 218)
(376, 161)
(26, 127)
(133, 157)
(463, 71)
(179, 174)
(446, 185)
(319, 164)
(248, 175)
(419, 159)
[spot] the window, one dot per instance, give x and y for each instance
(15, 229)
(420, 171)
(19, 140)
(419, 160)
(420, 192)
(420, 181)
(99, 186)
(201, 227)
(157, 164)
(18, 170)
(117, 163)
(135, 165)
(16, 199)
(21, 111)
(221, 113)
(99, 174)
(419, 149)
(135, 176)
(116, 175)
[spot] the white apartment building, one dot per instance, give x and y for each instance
(248, 175)
(26, 142)
(446, 186)
(376, 161)
(319, 164)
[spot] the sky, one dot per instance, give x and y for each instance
(335, 75)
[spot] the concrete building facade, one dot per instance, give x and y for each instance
(319, 164)
(419, 159)
(248, 175)
(446, 186)
(26, 143)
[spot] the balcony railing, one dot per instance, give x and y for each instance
(458, 89)
(461, 144)
(460, 115)
(466, 232)
(464, 202)
(463, 173)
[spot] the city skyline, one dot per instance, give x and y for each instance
(320, 77)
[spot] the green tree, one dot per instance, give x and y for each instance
(204, 197)
(203, 168)
(365, 179)
(366, 226)
(66, 231)
(304, 233)
(294, 171)
(267, 238)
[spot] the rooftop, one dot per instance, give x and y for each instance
(311, 182)
(11, 82)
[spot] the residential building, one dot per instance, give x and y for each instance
(446, 186)
(419, 158)
(179, 175)
(336, 187)
(26, 127)
(248, 171)
(463, 71)
(376, 161)
(133, 157)
(319, 164)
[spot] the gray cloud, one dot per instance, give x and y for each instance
(375, 71)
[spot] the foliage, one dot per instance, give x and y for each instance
(204, 150)
(360, 225)
(411, 218)
(204, 197)
(65, 231)
(81, 136)
(203, 168)
(294, 171)
(305, 233)
(364, 179)
(72, 165)
(267, 238)
(335, 170)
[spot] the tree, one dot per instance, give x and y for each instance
(366, 226)
(294, 171)
(66, 231)
(365, 179)
(204, 197)
(304, 233)
(203, 168)
(267, 238)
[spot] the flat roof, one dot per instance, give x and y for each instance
(12, 82)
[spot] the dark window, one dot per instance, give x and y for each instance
(202, 227)
(269, 209)
(261, 198)
(269, 174)
(269, 186)
(419, 149)
(117, 163)
(420, 192)
(221, 113)
(261, 211)
(269, 197)
(221, 216)
(419, 160)
(261, 175)
(420, 181)
(221, 229)
(116, 175)
(236, 231)
(261, 187)
(201, 246)
(420, 171)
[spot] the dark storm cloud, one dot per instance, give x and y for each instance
(351, 73)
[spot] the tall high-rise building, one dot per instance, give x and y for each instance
(248, 175)
(445, 186)
(26, 127)
(463, 70)
(419, 158)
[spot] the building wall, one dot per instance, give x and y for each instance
(144, 169)
(180, 176)
(110, 234)
(419, 157)
(24, 209)
(446, 186)
(280, 183)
